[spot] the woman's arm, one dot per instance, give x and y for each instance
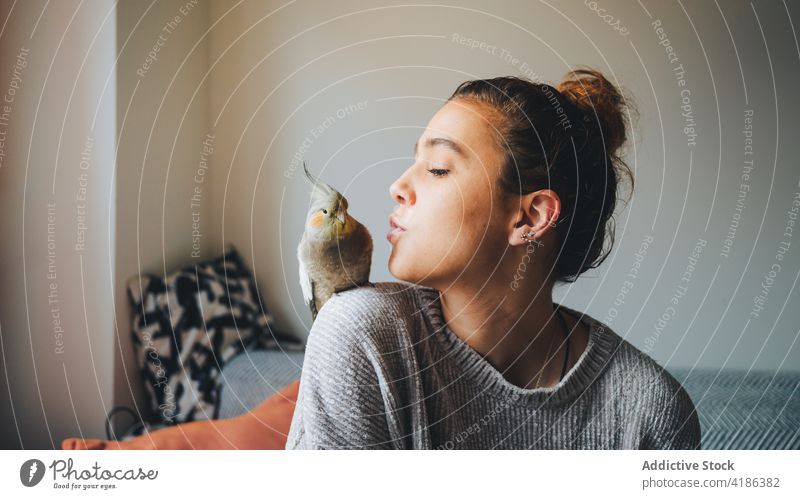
(342, 402)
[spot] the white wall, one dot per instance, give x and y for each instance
(59, 140)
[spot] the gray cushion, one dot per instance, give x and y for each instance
(251, 377)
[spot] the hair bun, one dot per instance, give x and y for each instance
(600, 101)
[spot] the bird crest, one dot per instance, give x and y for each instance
(321, 190)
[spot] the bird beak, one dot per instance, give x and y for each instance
(341, 215)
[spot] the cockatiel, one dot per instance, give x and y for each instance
(335, 252)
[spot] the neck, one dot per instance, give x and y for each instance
(511, 329)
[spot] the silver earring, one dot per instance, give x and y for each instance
(527, 235)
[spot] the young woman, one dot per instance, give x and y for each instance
(512, 191)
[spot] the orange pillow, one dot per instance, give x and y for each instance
(264, 427)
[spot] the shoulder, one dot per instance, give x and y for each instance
(642, 376)
(634, 371)
(646, 373)
(371, 300)
(362, 315)
(667, 409)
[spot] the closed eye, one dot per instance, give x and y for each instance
(438, 172)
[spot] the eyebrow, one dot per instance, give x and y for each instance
(441, 141)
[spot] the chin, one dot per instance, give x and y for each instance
(402, 270)
(410, 273)
(396, 268)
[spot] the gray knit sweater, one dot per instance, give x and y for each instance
(382, 371)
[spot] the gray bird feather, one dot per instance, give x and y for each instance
(335, 252)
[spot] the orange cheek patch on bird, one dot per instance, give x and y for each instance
(316, 220)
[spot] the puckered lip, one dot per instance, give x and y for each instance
(394, 224)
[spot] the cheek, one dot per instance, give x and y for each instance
(483, 235)
(459, 221)
(443, 214)
(472, 213)
(316, 220)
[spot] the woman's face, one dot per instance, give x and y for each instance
(454, 216)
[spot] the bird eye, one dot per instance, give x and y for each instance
(325, 211)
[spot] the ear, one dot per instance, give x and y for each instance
(537, 212)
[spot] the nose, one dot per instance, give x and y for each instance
(401, 190)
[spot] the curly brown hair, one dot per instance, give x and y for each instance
(568, 139)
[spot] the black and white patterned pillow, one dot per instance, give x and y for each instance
(188, 325)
